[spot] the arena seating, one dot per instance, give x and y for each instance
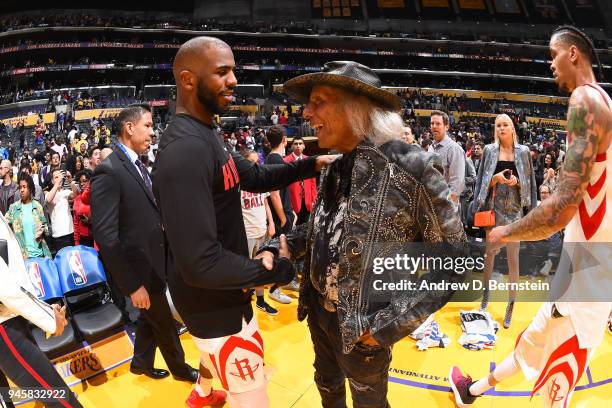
(45, 279)
(86, 293)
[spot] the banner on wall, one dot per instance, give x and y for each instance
(29, 120)
(95, 113)
(158, 102)
(547, 123)
(478, 114)
(94, 359)
(422, 112)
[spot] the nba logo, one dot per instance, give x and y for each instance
(76, 268)
(34, 275)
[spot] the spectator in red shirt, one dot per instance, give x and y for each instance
(82, 212)
(282, 120)
(302, 193)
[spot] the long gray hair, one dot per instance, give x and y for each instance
(370, 121)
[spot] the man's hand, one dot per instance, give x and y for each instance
(267, 259)
(58, 183)
(283, 249)
(368, 340)
(60, 320)
(39, 232)
(325, 160)
(271, 230)
(497, 235)
(140, 298)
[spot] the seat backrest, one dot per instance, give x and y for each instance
(79, 267)
(4, 250)
(44, 277)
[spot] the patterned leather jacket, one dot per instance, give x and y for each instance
(397, 194)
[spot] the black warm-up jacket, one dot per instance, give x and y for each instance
(197, 185)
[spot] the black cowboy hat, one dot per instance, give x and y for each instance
(348, 75)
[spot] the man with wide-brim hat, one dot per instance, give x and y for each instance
(348, 75)
(381, 190)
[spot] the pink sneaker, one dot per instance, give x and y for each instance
(215, 398)
(460, 385)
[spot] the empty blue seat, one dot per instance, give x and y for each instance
(86, 292)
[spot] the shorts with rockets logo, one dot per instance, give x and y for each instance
(236, 360)
(548, 351)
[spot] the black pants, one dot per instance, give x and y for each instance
(367, 368)
(22, 361)
(116, 295)
(62, 242)
(87, 241)
(156, 328)
(303, 215)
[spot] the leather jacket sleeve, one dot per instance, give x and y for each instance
(439, 222)
(435, 203)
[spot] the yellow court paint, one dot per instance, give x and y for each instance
(417, 378)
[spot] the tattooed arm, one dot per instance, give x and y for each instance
(554, 213)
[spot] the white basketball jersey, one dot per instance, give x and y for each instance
(591, 224)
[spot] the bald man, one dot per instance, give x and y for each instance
(197, 186)
(8, 187)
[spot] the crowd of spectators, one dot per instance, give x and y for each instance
(289, 27)
(547, 145)
(59, 164)
(75, 99)
(417, 99)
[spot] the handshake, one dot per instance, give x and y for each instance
(267, 257)
(284, 267)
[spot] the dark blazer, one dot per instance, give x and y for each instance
(127, 225)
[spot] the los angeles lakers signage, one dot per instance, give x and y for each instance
(94, 359)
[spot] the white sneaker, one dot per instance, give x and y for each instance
(293, 285)
(545, 270)
(280, 297)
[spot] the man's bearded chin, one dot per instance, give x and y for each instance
(209, 100)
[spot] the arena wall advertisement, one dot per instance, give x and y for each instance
(95, 113)
(91, 360)
(558, 123)
(29, 120)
